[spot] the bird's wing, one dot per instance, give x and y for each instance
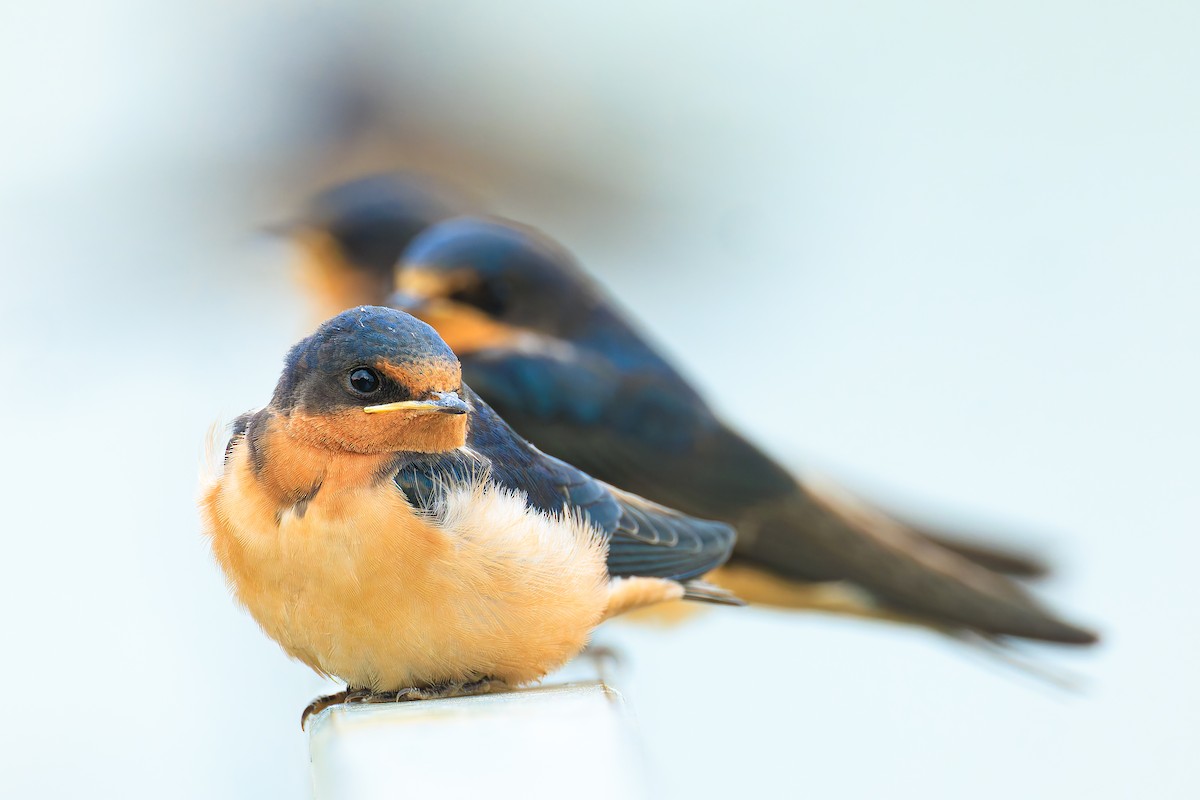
(646, 434)
(643, 430)
(644, 539)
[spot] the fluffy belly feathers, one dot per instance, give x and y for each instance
(355, 585)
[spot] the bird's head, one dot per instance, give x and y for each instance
(369, 221)
(481, 278)
(373, 380)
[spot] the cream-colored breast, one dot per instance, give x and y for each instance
(357, 586)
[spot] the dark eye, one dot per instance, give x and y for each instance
(364, 380)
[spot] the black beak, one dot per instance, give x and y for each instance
(449, 403)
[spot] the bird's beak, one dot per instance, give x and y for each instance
(440, 403)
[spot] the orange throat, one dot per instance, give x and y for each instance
(292, 467)
(352, 432)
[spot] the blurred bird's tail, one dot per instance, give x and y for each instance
(882, 568)
(1005, 560)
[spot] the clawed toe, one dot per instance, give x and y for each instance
(409, 694)
(322, 703)
(444, 690)
(348, 696)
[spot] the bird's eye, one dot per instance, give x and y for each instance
(364, 380)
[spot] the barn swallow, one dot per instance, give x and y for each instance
(543, 345)
(386, 527)
(356, 232)
(352, 234)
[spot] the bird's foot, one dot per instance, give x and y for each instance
(321, 703)
(449, 689)
(432, 692)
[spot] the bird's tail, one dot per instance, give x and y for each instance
(997, 558)
(704, 592)
(820, 534)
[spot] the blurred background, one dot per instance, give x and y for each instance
(965, 237)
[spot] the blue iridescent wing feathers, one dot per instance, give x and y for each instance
(644, 538)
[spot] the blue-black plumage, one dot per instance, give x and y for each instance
(559, 361)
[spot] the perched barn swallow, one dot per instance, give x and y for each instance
(352, 234)
(544, 346)
(386, 527)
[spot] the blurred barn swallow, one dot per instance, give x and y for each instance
(352, 234)
(543, 344)
(353, 239)
(386, 527)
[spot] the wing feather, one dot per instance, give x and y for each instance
(644, 538)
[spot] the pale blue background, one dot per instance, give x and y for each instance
(958, 248)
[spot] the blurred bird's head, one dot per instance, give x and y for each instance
(373, 380)
(352, 234)
(480, 279)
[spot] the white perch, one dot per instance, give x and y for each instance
(566, 740)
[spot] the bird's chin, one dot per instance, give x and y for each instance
(352, 431)
(430, 433)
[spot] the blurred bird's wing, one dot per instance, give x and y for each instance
(648, 432)
(644, 539)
